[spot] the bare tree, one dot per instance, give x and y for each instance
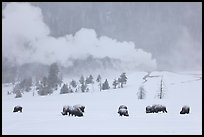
(161, 89)
(141, 93)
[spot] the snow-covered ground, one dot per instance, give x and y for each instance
(42, 114)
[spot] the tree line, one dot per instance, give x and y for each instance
(48, 84)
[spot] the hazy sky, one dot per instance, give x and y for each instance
(170, 32)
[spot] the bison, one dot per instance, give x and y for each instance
(122, 110)
(155, 109)
(17, 108)
(76, 110)
(185, 110)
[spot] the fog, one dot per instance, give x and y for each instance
(171, 32)
(141, 36)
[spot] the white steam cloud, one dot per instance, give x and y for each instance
(26, 39)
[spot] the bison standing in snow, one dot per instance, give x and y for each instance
(156, 109)
(17, 108)
(76, 110)
(122, 110)
(185, 110)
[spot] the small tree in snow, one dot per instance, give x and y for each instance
(141, 93)
(89, 80)
(122, 80)
(83, 87)
(115, 83)
(73, 83)
(64, 89)
(161, 90)
(81, 80)
(105, 85)
(18, 94)
(44, 88)
(99, 81)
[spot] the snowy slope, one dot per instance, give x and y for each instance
(41, 115)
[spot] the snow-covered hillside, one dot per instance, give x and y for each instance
(42, 114)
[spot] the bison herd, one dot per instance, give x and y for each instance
(78, 110)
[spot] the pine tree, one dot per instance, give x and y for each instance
(81, 80)
(83, 87)
(98, 78)
(18, 94)
(105, 85)
(115, 83)
(64, 89)
(120, 84)
(44, 88)
(73, 83)
(89, 80)
(123, 79)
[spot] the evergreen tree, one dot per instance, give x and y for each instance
(64, 89)
(120, 84)
(44, 81)
(115, 83)
(89, 80)
(98, 78)
(81, 80)
(105, 85)
(18, 94)
(83, 84)
(70, 90)
(16, 88)
(83, 87)
(73, 83)
(25, 84)
(123, 79)
(44, 88)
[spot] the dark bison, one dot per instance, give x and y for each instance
(73, 111)
(122, 110)
(185, 110)
(156, 109)
(17, 108)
